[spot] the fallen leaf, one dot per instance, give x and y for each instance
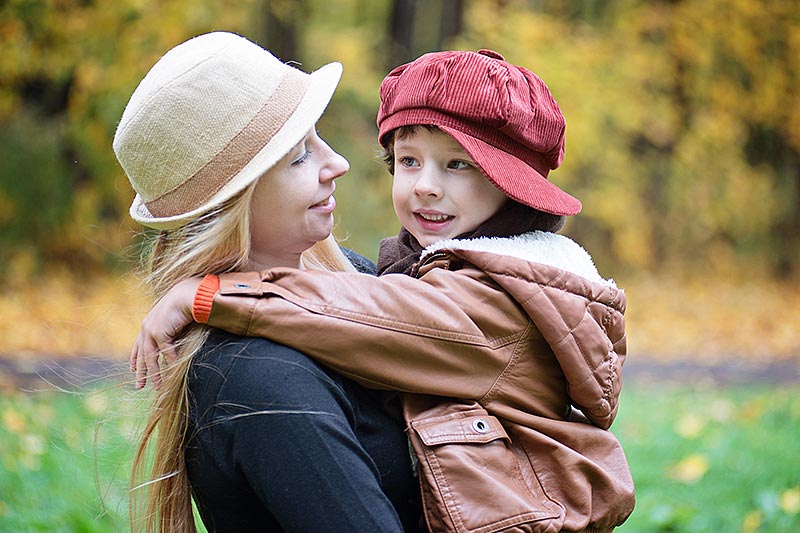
(691, 469)
(751, 522)
(790, 501)
(690, 426)
(13, 420)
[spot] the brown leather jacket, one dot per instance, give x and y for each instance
(522, 331)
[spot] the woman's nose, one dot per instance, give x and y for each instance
(335, 166)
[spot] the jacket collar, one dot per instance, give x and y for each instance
(537, 247)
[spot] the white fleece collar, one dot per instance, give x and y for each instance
(537, 247)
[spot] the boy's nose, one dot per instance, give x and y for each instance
(427, 184)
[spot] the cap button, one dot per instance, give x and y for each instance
(491, 53)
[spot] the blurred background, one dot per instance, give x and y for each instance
(683, 143)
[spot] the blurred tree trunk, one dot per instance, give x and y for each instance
(401, 31)
(787, 231)
(451, 22)
(280, 27)
(417, 27)
(661, 157)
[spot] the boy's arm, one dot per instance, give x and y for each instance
(394, 332)
(162, 325)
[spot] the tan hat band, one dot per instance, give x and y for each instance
(199, 188)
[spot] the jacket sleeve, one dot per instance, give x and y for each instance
(432, 335)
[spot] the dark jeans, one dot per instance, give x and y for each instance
(318, 452)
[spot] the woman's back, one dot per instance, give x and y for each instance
(248, 456)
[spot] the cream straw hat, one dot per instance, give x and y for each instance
(211, 116)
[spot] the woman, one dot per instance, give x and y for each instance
(218, 142)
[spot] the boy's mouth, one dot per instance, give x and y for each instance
(432, 221)
(433, 217)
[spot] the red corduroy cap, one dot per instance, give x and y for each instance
(502, 115)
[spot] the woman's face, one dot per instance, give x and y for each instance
(292, 207)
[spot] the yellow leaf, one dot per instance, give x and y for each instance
(751, 522)
(790, 501)
(13, 421)
(690, 426)
(691, 469)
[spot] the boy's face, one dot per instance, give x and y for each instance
(438, 192)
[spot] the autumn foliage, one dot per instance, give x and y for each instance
(683, 129)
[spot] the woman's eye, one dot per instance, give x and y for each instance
(458, 165)
(303, 158)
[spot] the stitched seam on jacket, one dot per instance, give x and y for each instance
(612, 378)
(512, 362)
(250, 317)
(612, 368)
(609, 296)
(403, 327)
(444, 488)
(590, 378)
(571, 332)
(537, 474)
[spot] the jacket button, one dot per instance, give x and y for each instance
(480, 425)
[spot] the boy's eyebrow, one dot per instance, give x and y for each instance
(459, 151)
(454, 151)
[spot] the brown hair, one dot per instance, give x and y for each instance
(399, 133)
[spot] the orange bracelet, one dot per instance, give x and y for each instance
(204, 298)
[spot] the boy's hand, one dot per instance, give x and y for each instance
(160, 327)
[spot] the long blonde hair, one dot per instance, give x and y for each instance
(160, 499)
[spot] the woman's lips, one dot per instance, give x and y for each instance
(326, 205)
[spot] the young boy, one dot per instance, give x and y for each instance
(505, 339)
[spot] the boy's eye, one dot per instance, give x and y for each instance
(407, 161)
(457, 164)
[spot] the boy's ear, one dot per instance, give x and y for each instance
(388, 151)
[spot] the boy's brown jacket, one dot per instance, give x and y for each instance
(527, 346)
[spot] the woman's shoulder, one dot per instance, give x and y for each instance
(226, 365)
(233, 369)
(362, 264)
(225, 353)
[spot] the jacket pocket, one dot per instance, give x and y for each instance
(471, 478)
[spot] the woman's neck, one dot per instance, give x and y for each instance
(263, 262)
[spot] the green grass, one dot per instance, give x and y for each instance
(704, 461)
(713, 460)
(64, 461)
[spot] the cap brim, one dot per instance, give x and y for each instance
(515, 178)
(322, 85)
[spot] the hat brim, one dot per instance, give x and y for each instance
(322, 85)
(520, 181)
